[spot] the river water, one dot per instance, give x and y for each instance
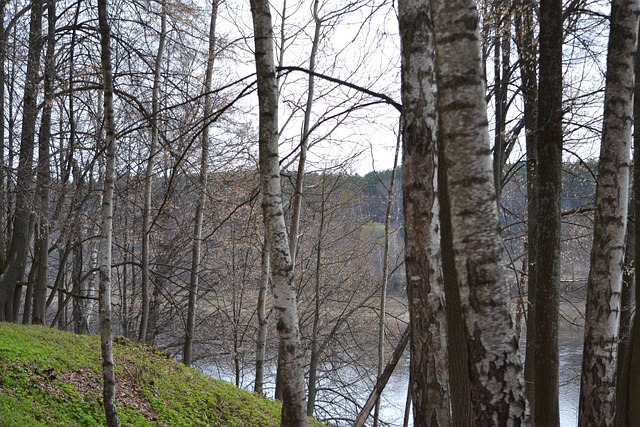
(395, 393)
(570, 344)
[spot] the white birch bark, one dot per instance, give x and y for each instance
(106, 229)
(597, 391)
(425, 285)
(283, 290)
(494, 361)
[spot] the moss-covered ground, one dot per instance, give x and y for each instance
(53, 378)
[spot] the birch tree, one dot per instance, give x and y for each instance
(425, 287)
(597, 387)
(494, 362)
(283, 289)
(106, 229)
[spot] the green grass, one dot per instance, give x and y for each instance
(52, 378)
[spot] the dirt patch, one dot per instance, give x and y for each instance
(85, 381)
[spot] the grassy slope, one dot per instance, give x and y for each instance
(52, 378)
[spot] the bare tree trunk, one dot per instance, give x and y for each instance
(314, 360)
(385, 276)
(261, 340)
(79, 319)
(28, 295)
(4, 37)
(153, 152)
(627, 309)
(304, 139)
(502, 76)
(494, 361)
(80, 325)
(526, 43)
(425, 286)
(17, 254)
(547, 268)
(44, 173)
(284, 292)
(106, 230)
(628, 387)
(597, 388)
(202, 191)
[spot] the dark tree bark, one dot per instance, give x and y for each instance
(628, 388)
(44, 173)
(14, 267)
(4, 37)
(502, 10)
(202, 189)
(153, 150)
(627, 311)
(526, 44)
(547, 268)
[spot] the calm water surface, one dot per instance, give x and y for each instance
(570, 343)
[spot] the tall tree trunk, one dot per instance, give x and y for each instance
(526, 44)
(627, 309)
(547, 268)
(80, 325)
(315, 353)
(148, 176)
(597, 387)
(304, 138)
(44, 173)
(106, 230)
(425, 286)
(494, 361)
(21, 231)
(628, 388)
(385, 276)
(4, 37)
(284, 292)
(502, 75)
(202, 191)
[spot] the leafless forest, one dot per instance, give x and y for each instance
(274, 192)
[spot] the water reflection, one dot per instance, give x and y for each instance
(570, 343)
(395, 393)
